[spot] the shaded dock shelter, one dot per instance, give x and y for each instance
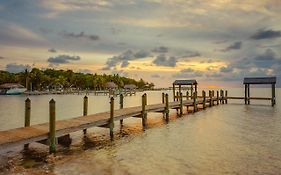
(259, 80)
(178, 84)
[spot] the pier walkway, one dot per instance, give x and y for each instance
(54, 129)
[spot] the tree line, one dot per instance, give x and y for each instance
(37, 79)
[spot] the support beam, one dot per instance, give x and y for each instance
(52, 126)
(111, 120)
(218, 101)
(204, 99)
(85, 110)
(273, 101)
(143, 112)
(167, 107)
(248, 92)
(195, 102)
(121, 103)
(27, 116)
(225, 97)
(174, 92)
(181, 105)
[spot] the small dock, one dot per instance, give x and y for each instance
(52, 130)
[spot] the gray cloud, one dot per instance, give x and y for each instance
(52, 50)
(226, 69)
(1, 57)
(266, 34)
(16, 68)
(124, 58)
(163, 60)
(189, 54)
(62, 59)
(235, 46)
(161, 49)
(80, 35)
(188, 73)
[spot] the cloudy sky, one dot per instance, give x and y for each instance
(217, 42)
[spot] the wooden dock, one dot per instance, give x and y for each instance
(54, 129)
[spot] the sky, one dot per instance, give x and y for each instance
(216, 42)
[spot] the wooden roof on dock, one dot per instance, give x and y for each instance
(185, 82)
(259, 80)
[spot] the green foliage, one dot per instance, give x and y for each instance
(38, 79)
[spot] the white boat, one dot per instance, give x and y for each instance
(12, 89)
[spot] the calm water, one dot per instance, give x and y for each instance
(225, 139)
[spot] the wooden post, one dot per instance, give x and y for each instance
(177, 96)
(248, 94)
(179, 89)
(121, 102)
(194, 102)
(143, 112)
(211, 99)
(174, 91)
(27, 116)
(85, 110)
(187, 95)
(273, 100)
(167, 107)
(204, 99)
(222, 96)
(191, 94)
(218, 97)
(52, 126)
(163, 98)
(111, 120)
(181, 105)
(225, 97)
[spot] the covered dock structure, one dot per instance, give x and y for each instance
(259, 80)
(179, 85)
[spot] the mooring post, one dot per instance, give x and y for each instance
(218, 97)
(27, 116)
(167, 107)
(121, 102)
(194, 102)
(181, 105)
(211, 99)
(225, 97)
(204, 99)
(143, 112)
(85, 110)
(111, 120)
(273, 100)
(222, 96)
(52, 126)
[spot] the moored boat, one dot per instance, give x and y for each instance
(12, 89)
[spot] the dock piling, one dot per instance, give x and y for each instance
(143, 113)
(85, 110)
(194, 101)
(187, 95)
(181, 105)
(52, 126)
(111, 120)
(204, 99)
(27, 116)
(218, 101)
(225, 97)
(211, 99)
(167, 107)
(121, 102)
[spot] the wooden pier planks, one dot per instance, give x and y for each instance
(24, 135)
